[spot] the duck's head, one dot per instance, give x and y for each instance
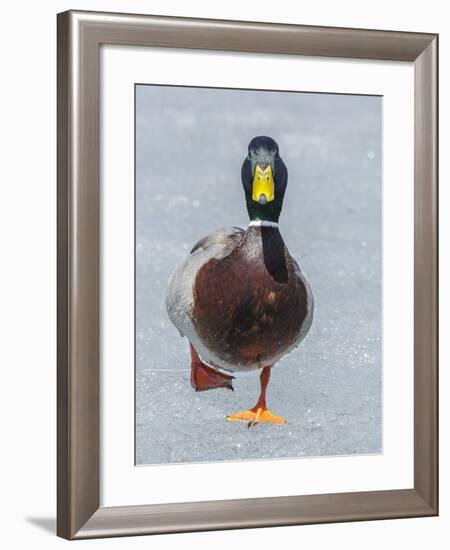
(264, 178)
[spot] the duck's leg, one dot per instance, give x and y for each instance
(260, 412)
(204, 377)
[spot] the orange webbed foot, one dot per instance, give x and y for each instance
(257, 415)
(205, 378)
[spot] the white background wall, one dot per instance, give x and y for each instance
(28, 267)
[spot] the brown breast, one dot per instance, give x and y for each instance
(249, 306)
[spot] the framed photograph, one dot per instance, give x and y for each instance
(247, 274)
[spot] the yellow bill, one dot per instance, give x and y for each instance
(263, 189)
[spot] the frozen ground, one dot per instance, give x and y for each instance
(190, 145)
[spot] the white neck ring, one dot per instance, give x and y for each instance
(263, 223)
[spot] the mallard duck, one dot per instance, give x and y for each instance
(239, 297)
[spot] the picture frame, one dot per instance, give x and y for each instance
(80, 35)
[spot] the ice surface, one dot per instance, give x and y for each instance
(190, 145)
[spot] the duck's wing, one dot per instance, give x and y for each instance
(179, 293)
(309, 301)
(225, 236)
(296, 266)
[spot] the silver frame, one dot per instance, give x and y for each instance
(80, 35)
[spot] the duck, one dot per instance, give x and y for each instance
(239, 297)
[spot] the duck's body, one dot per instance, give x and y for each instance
(239, 297)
